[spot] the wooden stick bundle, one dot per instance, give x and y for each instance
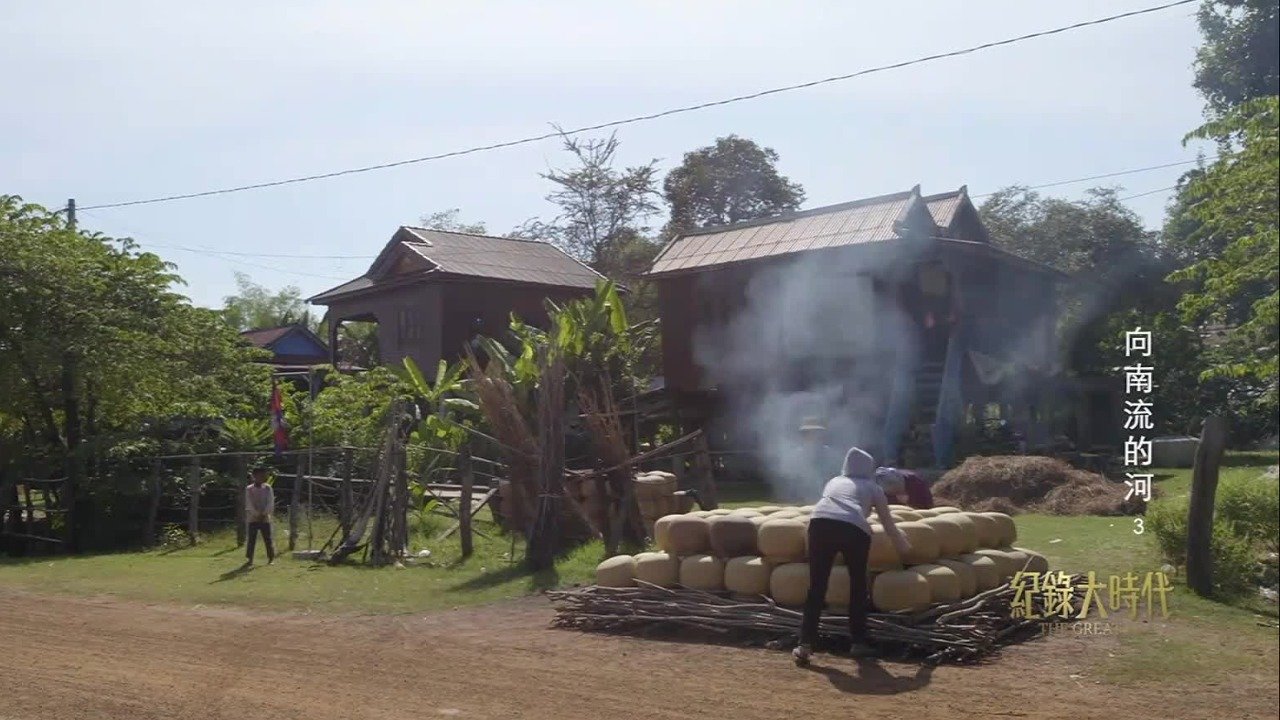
(963, 632)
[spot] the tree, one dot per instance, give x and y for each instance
(254, 306)
(601, 207)
(1240, 57)
(97, 350)
(447, 220)
(1118, 267)
(731, 181)
(1097, 234)
(1236, 201)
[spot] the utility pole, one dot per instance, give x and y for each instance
(71, 212)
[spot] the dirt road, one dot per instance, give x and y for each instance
(75, 659)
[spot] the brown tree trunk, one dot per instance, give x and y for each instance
(1204, 486)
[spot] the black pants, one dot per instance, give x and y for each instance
(826, 538)
(265, 529)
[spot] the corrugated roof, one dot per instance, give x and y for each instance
(852, 223)
(360, 283)
(495, 258)
(477, 256)
(943, 207)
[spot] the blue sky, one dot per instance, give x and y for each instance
(109, 102)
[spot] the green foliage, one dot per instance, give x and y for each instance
(1236, 200)
(351, 409)
(89, 318)
(241, 434)
(1240, 57)
(442, 403)
(448, 221)
(1166, 521)
(1250, 509)
(1235, 563)
(1246, 513)
(602, 208)
(733, 180)
(254, 306)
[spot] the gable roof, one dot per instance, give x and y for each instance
(419, 251)
(273, 338)
(870, 220)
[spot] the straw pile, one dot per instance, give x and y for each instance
(1027, 483)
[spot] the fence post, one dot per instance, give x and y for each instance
(464, 504)
(704, 474)
(1204, 486)
(193, 509)
(240, 465)
(295, 498)
(154, 509)
(344, 495)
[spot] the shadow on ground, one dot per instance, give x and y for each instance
(871, 679)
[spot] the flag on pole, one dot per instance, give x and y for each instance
(279, 428)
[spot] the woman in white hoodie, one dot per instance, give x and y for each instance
(838, 524)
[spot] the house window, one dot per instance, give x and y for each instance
(409, 324)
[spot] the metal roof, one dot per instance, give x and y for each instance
(496, 258)
(853, 223)
(943, 207)
(472, 256)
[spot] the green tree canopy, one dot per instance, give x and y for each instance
(254, 306)
(1235, 202)
(1240, 57)
(733, 180)
(450, 221)
(95, 345)
(602, 208)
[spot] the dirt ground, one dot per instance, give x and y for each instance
(74, 658)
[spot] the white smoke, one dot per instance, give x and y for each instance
(811, 339)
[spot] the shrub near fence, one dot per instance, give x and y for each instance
(1246, 524)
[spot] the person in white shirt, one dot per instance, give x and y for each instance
(838, 524)
(259, 503)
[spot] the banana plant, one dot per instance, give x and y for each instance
(439, 401)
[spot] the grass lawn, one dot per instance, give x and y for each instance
(1217, 636)
(211, 573)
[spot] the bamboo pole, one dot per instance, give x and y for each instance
(464, 520)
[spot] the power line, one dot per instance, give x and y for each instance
(219, 255)
(294, 256)
(645, 118)
(1105, 175)
(1149, 192)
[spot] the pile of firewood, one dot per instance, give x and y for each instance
(958, 633)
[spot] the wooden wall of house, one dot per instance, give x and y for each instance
(408, 320)
(484, 308)
(676, 302)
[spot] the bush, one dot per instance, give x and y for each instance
(1251, 508)
(1167, 521)
(1235, 562)
(1245, 523)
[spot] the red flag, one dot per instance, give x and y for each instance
(279, 428)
